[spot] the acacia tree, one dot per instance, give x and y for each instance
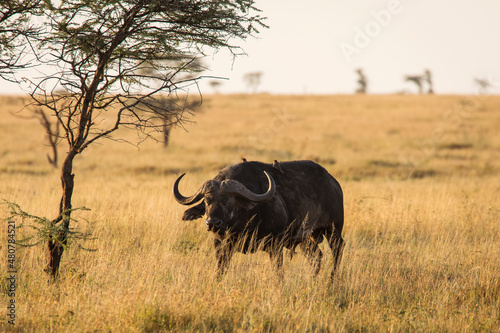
(362, 82)
(252, 81)
(52, 131)
(417, 79)
(97, 52)
(483, 84)
(192, 66)
(428, 80)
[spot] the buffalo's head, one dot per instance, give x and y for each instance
(227, 204)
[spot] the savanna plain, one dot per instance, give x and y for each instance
(421, 181)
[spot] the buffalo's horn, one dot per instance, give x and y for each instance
(186, 200)
(235, 187)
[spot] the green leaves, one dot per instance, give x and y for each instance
(46, 229)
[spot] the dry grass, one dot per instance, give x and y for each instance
(421, 182)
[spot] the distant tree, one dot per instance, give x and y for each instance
(428, 79)
(252, 81)
(97, 51)
(191, 66)
(215, 84)
(173, 104)
(420, 80)
(362, 82)
(416, 79)
(52, 130)
(483, 84)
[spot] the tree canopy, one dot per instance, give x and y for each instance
(93, 56)
(15, 28)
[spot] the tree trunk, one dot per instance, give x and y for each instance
(56, 247)
(166, 133)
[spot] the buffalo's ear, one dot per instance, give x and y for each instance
(195, 212)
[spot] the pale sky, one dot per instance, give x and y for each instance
(304, 50)
(315, 46)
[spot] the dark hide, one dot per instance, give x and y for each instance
(307, 205)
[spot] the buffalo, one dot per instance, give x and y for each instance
(254, 206)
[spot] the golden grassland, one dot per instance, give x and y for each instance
(422, 221)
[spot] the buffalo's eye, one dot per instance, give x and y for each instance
(209, 200)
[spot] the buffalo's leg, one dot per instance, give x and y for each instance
(337, 245)
(313, 254)
(223, 254)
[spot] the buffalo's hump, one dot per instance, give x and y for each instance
(311, 196)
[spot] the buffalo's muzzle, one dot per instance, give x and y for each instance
(214, 224)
